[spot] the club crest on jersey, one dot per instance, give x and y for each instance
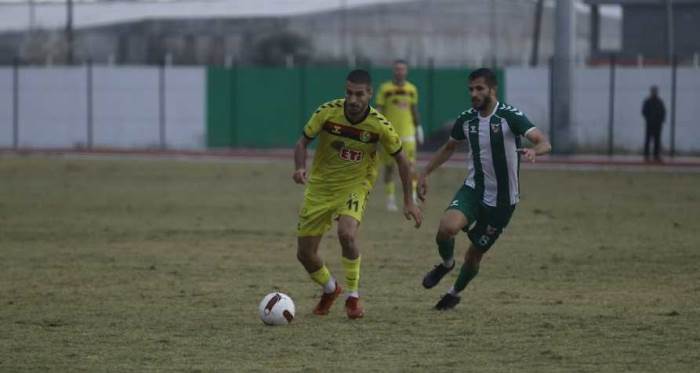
(350, 155)
(495, 127)
(336, 129)
(365, 136)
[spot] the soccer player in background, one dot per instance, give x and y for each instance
(397, 100)
(484, 204)
(342, 175)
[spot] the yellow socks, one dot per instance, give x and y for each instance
(323, 277)
(390, 189)
(352, 275)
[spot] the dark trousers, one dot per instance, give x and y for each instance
(653, 133)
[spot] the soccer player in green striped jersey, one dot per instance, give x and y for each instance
(484, 204)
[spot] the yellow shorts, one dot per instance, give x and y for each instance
(321, 207)
(409, 148)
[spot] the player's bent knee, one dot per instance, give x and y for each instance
(306, 254)
(449, 230)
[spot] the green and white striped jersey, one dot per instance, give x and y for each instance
(492, 160)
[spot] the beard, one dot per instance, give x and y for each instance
(353, 109)
(484, 103)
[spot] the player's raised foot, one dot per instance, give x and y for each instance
(354, 308)
(391, 205)
(327, 299)
(433, 277)
(447, 302)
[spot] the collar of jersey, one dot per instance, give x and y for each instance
(361, 120)
(492, 113)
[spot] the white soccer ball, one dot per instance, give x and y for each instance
(276, 309)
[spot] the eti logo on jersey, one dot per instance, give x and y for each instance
(350, 155)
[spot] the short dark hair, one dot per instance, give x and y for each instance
(486, 73)
(400, 61)
(359, 76)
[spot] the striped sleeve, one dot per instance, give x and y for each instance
(315, 123)
(389, 138)
(517, 121)
(457, 130)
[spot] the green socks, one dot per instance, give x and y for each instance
(466, 274)
(446, 249)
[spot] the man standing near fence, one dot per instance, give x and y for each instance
(397, 100)
(654, 114)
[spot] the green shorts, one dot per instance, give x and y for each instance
(485, 223)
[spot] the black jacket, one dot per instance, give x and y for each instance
(653, 110)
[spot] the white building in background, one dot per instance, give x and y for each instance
(448, 32)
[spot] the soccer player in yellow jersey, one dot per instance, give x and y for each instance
(397, 100)
(341, 177)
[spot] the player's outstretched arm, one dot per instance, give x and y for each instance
(410, 210)
(440, 157)
(540, 142)
(299, 175)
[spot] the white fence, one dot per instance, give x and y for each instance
(528, 89)
(129, 106)
(124, 107)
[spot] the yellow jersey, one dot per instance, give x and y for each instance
(396, 102)
(346, 153)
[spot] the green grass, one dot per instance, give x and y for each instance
(135, 265)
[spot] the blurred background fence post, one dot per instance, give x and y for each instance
(89, 118)
(550, 101)
(537, 27)
(302, 96)
(612, 62)
(161, 104)
(430, 91)
(674, 79)
(15, 103)
(233, 81)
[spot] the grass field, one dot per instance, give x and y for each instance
(158, 265)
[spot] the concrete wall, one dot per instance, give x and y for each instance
(53, 107)
(527, 89)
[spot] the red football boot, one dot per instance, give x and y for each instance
(327, 299)
(353, 308)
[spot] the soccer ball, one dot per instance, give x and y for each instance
(276, 309)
